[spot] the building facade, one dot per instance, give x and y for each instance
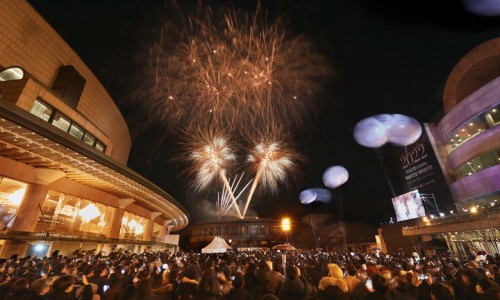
(467, 143)
(246, 234)
(64, 146)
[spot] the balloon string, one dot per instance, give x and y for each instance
(382, 165)
(341, 219)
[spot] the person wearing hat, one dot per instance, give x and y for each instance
(335, 277)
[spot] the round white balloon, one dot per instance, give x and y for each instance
(315, 194)
(323, 195)
(370, 133)
(335, 176)
(385, 119)
(404, 130)
(485, 8)
(307, 196)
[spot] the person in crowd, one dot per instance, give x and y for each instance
(335, 277)
(239, 292)
(62, 288)
(381, 288)
(292, 287)
(209, 288)
(39, 288)
(88, 292)
(19, 290)
(487, 289)
(274, 276)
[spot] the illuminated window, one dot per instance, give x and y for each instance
(61, 122)
(76, 131)
(473, 127)
(156, 236)
(88, 139)
(49, 114)
(41, 110)
(479, 163)
(133, 226)
(11, 197)
(100, 146)
(69, 214)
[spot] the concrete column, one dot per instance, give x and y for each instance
(116, 225)
(148, 234)
(29, 211)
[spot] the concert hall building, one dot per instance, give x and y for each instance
(466, 142)
(64, 146)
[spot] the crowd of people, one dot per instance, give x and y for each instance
(266, 275)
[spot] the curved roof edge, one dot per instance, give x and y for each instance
(27, 120)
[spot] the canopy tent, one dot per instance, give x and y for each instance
(217, 245)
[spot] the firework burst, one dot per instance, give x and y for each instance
(273, 160)
(239, 68)
(209, 156)
(238, 71)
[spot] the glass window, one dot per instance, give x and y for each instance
(493, 116)
(76, 131)
(156, 236)
(68, 214)
(100, 146)
(11, 197)
(61, 122)
(41, 110)
(235, 230)
(133, 226)
(88, 139)
(473, 127)
(484, 161)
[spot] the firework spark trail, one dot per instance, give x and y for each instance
(210, 154)
(239, 194)
(273, 164)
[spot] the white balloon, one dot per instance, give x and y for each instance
(370, 133)
(323, 195)
(385, 119)
(404, 130)
(335, 176)
(485, 8)
(315, 194)
(308, 196)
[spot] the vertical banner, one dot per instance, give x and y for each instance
(420, 170)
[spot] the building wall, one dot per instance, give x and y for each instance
(29, 42)
(469, 131)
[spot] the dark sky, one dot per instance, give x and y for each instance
(388, 56)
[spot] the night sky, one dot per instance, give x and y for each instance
(387, 58)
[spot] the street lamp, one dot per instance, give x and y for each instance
(286, 226)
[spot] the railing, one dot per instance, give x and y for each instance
(87, 237)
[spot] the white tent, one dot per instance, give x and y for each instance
(217, 245)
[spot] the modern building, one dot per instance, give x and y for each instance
(64, 146)
(247, 234)
(466, 142)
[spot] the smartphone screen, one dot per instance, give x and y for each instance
(422, 276)
(79, 276)
(105, 288)
(369, 284)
